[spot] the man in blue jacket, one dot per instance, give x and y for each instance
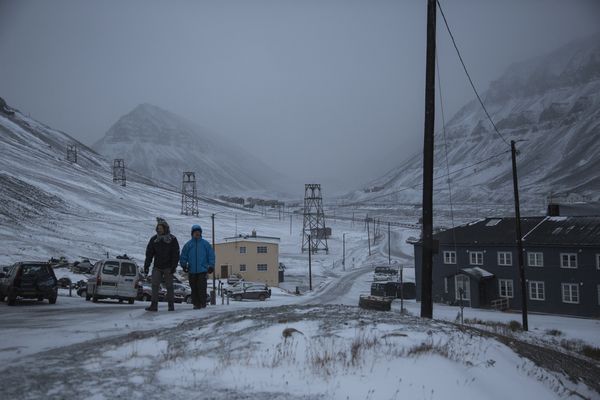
(197, 259)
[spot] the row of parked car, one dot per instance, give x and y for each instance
(118, 278)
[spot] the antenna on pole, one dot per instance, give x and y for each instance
(72, 153)
(189, 195)
(314, 232)
(119, 172)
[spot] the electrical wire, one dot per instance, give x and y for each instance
(469, 75)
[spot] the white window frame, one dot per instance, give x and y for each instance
(259, 266)
(467, 287)
(259, 248)
(540, 287)
(569, 255)
(242, 249)
(538, 258)
(506, 284)
(507, 261)
(475, 253)
(450, 257)
(243, 268)
(570, 292)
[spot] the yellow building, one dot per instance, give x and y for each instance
(254, 258)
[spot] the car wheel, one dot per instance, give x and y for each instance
(261, 297)
(120, 301)
(87, 298)
(83, 293)
(40, 298)
(11, 300)
(95, 298)
(131, 301)
(237, 297)
(52, 299)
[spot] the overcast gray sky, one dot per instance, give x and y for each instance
(329, 91)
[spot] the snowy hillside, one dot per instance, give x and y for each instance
(551, 102)
(162, 145)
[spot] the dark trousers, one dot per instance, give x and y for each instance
(198, 285)
(158, 276)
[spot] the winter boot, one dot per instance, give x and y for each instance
(153, 306)
(171, 307)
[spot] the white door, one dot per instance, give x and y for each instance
(127, 280)
(462, 283)
(109, 275)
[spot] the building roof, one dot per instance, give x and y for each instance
(252, 238)
(581, 231)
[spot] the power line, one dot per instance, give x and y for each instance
(469, 76)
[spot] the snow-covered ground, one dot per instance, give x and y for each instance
(315, 346)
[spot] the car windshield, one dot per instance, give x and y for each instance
(32, 269)
(111, 268)
(128, 269)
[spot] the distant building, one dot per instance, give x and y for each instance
(561, 258)
(255, 258)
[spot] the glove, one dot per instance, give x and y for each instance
(211, 270)
(146, 269)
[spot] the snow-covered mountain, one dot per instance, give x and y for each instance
(551, 102)
(51, 207)
(163, 145)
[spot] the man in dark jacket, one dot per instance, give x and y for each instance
(197, 259)
(164, 249)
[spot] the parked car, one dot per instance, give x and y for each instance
(234, 278)
(385, 274)
(394, 289)
(29, 280)
(251, 292)
(188, 299)
(114, 279)
(64, 283)
(81, 287)
(182, 292)
(236, 286)
(83, 267)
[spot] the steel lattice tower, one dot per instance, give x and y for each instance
(72, 153)
(119, 171)
(189, 198)
(314, 220)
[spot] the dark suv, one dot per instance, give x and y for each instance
(28, 280)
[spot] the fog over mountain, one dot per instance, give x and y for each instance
(162, 145)
(322, 91)
(550, 104)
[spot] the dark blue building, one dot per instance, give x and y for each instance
(561, 257)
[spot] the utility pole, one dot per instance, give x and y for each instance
(427, 228)
(344, 252)
(213, 300)
(369, 236)
(389, 245)
(519, 236)
(309, 264)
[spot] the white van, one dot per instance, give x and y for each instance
(114, 279)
